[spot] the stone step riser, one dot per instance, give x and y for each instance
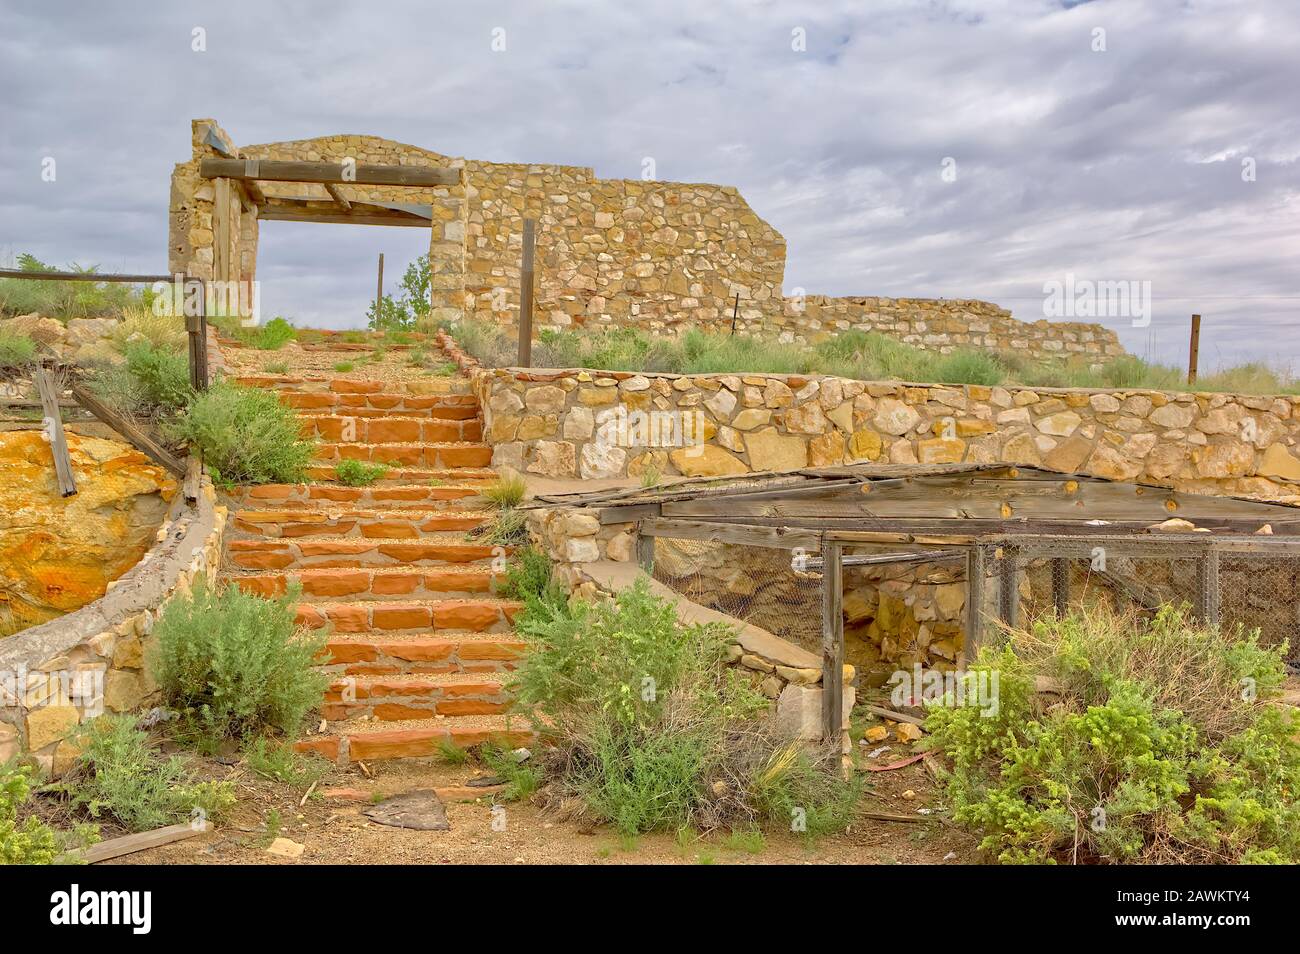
(283, 555)
(452, 389)
(280, 525)
(395, 618)
(359, 584)
(394, 701)
(403, 405)
(375, 495)
(409, 455)
(408, 743)
(420, 657)
(341, 429)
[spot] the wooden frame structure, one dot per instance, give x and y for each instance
(196, 327)
(247, 175)
(987, 515)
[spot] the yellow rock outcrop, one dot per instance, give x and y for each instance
(58, 554)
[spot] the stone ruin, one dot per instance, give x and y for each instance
(660, 256)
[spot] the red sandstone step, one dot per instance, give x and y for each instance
(397, 475)
(317, 383)
(459, 454)
(412, 615)
(388, 429)
(405, 698)
(361, 583)
(375, 741)
(373, 655)
(317, 552)
(427, 495)
(401, 524)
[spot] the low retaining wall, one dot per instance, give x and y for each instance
(55, 676)
(584, 424)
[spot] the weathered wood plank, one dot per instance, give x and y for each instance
(129, 844)
(129, 430)
(288, 170)
(832, 643)
(339, 198)
(54, 431)
(776, 537)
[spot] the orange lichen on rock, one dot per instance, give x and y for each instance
(57, 554)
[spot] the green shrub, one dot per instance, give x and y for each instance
(163, 376)
(119, 774)
(1158, 745)
(343, 367)
(245, 435)
(16, 351)
(522, 779)
(33, 842)
(653, 731)
(235, 665)
(358, 473)
(530, 576)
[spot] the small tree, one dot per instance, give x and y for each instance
(412, 304)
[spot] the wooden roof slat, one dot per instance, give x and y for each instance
(288, 170)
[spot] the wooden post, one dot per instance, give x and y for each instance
(197, 328)
(1061, 585)
(526, 298)
(54, 431)
(735, 312)
(1008, 587)
(645, 552)
(379, 291)
(976, 569)
(832, 642)
(1207, 591)
(1194, 353)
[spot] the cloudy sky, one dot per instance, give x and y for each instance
(937, 148)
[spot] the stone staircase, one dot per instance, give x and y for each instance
(420, 646)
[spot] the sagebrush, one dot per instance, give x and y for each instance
(245, 435)
(235, 665)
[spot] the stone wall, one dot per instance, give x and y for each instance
(55, 676)
(660, 256)
(601, 424)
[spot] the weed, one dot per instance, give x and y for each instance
(750, 840)
(449, 753)
(272, 825)
(16, 352)
(522, 778)
(276, 367)
(358, 473)
(343, 367)
(33, 842)
(163, 376)
(279, 762)
(506, 492)
(529, 576)
(121, 775)
(508, 528)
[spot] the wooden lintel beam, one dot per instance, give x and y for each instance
(338, 196)
(281, 170)
(281, 214)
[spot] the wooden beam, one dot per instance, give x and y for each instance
(127, 429)
(254, 193)
(221, 267)
(1194, 350)
(54, 431)
(337, 196)
(277, 213)
(281, 170)
(780, 538)
(526, 297)
(832, 643)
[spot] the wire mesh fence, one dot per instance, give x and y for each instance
(768, 587)
(1254, 586)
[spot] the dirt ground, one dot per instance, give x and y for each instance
(332, 829)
